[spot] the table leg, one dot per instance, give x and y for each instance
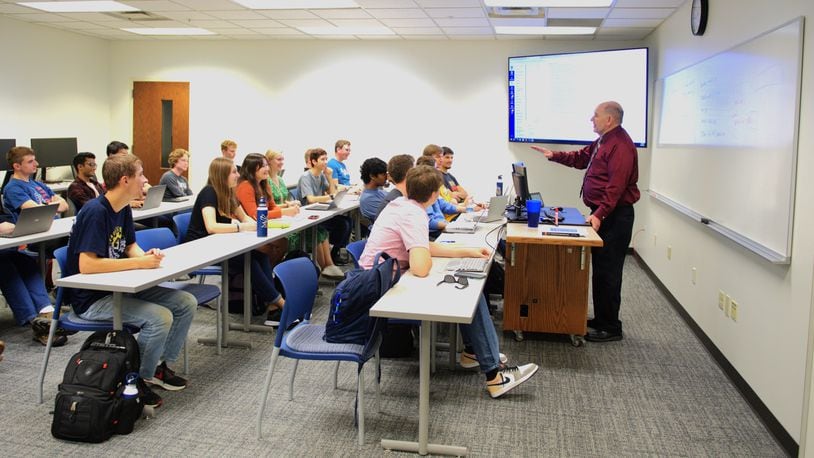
(453, 346)
(422, 447)
(117, 311)
(222, 339)
(247, 325)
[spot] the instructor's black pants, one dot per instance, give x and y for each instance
(608, 264)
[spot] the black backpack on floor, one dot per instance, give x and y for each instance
(91, 405)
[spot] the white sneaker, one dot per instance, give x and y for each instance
(333, 272)
(509, 378)
(469, 360)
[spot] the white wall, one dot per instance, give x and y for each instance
(768, 344)
(54, 84)
(387, 97)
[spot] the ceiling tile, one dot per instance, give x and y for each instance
(631, 22)
(11, 9)
(235, 15)
(367, 4)
(232, 31)
(155, 5)
(42, 17)
(449, 3)
(417, 30)
(259, 24)
(210, 5)
(640, 13)
(356, 23)
(80, 25)
(208, 23)
(155, 24)
(426, 22)
(469, 31)
(306, 23)
(186, 15)
(578, 13)
(87, 16)
(474, 22)
(627, 32)
(397, 13)
(279, 31)
(348, 13)
(455, 12)
(289, 14)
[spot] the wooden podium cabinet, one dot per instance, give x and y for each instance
(546, 284)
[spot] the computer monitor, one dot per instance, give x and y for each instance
(54, 152)
(5, 145)
(521, 184)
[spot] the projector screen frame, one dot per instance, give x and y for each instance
(645, 109)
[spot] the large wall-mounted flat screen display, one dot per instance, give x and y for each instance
(552, 96)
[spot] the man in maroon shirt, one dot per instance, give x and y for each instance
(609, 190)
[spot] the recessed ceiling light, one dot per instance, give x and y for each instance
(79, 7)
(548, 3)
(296, 4)
(535, 30)
(330, 30)
(169, 31)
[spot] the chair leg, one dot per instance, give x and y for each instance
(265, 393)
(360, 405)
(186, 358)
(291, 382)
(336, 375)
(48, 345)
(378, 362)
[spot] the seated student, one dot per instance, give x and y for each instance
(254, 184)
(173, 179)
(22, 191)
(374, 176)
(397, 168)
(322, 253)
(400, 232)
(85, 186)
(24, 289)
(444, 163)
(103, 240)
(337, 165)
(215, 208)
(115, 148)
(437, 211)
(316, 185)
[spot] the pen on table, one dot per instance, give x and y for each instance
(447, 241)
(556, 216)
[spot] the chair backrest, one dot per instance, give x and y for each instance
(294, 193)
(181, 221)
(61, 255)
(356, 249)
(159, 237)
(299, 280)
(71, 211)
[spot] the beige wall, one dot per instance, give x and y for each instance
(768, 344)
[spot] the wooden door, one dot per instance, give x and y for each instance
(160, 123)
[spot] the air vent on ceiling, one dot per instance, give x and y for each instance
(142, 16)
(516, 12)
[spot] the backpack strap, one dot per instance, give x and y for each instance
(388, 276)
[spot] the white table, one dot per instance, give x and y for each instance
(414, 298)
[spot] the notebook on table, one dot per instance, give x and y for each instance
(33, 220)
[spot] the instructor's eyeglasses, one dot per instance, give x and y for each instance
(463, 281)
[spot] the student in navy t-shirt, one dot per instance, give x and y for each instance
(103, 240)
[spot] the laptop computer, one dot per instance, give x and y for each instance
(461, 226)
(330, 205)
(154, 197)
(497, 206)
(177, 199)
(33, 220)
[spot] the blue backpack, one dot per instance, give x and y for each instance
(349, 321)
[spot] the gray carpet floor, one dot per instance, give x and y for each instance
(656, 393)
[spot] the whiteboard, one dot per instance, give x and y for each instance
(727, 140)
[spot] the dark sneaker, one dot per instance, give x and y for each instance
(41, 324)
(293, 324)
(273, 317)
(43, 339)
(509, 378)
(2, 348)
(148, 396)
(165, 378)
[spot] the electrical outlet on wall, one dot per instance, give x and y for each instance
(727, 305)
(721, 300)
(694, 275)
(733, 310)
(669, 252)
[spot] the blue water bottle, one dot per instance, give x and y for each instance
(262, 218)
(499, 187)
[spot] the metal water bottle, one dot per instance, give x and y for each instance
(262, 218)
(499, 188)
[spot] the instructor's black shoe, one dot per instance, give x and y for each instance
(591, 323)
(602, 336)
